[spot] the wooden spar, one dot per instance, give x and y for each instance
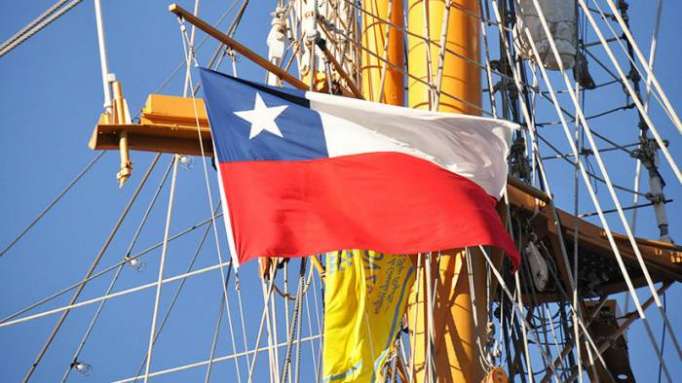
(454, 333)
(236, 46)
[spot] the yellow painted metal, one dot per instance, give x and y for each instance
(453, 352)
(120, 117)
(167, 124)
(174, 110)
(386, 58)
(461, 79)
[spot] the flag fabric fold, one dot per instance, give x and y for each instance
(305, 173)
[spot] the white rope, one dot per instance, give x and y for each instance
(47, 18)
(240, 307)
(215, 360)
(430, 325)
(35, 22)
(576, 154)
(310, 328)
(638, 166)
(445, 22)
(649, 71)
(176, 295)
(91, 269)
(519, 310)
(628, 85)
(287, 318)
(164, 251)
(112, 295)
(135, 237)
(535, 149)
(524, 332)
(317, 312)
(488, 67)
(652, 51)
(260, 327)
(416, 317)
(52, 203)
(604, 172)
(214, 341)
(556, 338)
(103, 271)
(237, 284)
(270, 309)
(482, 357)
(576, 237)
(601, 166)
(190, 57)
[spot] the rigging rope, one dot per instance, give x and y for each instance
(190, 57)
(45, 19)
(164, 251)
(106, 270)
(117, 294)
(52, 203)
(214, 340)
(133, 241)
(91, 269)
(628, 86)
(606, 176)
(176, 295)
(252, 352)
(294, 323)
(535, 150)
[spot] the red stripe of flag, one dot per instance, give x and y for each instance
(388, 202)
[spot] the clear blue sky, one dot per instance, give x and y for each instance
(50, 98)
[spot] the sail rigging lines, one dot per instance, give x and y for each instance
(119, 269)
(610, 187)
(93, 266)
(643, 112)
(577, 156)
(52, 203)
(106, 270)
(252, 352)
(46, 18)
(116, 294)
(164, 252)
(188, 47)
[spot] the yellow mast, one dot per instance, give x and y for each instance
(453, 350)
(374, 39)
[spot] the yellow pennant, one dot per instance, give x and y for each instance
(365, 297)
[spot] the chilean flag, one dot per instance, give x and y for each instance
(304, 173)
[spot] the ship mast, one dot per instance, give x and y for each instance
(445, 333)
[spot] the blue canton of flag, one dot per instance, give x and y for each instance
(256, 122)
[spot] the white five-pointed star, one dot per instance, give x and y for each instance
(262, 117)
